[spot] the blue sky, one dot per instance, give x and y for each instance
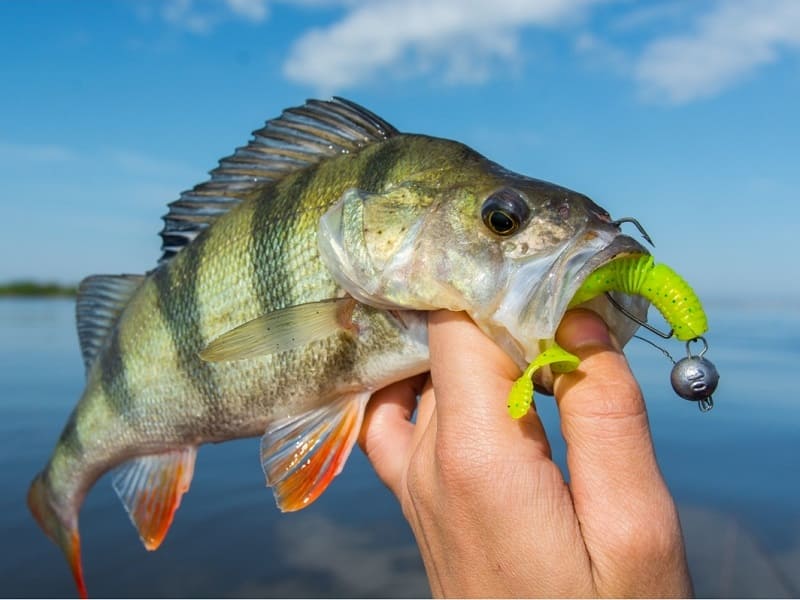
(682, 114)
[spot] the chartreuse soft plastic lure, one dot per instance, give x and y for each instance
(665, 289)
(659, 284)
(521, 395)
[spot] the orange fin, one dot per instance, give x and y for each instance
(63, 532)
(151, 487)
(301, 455)
(73, 552)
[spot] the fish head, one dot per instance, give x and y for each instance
(469, 235)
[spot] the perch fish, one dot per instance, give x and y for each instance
(293, 284)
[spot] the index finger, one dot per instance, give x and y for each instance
(472, 377)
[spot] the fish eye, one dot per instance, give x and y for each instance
(504, 211)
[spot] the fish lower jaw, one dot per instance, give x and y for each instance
(620, 326)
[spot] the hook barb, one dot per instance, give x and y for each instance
(638, 226)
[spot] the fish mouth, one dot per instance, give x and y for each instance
(621, 327)
(525, 321)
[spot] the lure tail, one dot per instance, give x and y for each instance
(521, 396)
(64, 532)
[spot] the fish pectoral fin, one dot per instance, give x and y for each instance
(282, 330)
(151, 488)
(301, 455)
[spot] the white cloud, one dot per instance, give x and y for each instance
(201, 16)
(711, 46)
(460, 40)
(252, 10)
(657, 14)
(182, 14)
(727, 45)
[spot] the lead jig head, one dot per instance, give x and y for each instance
(695, 378)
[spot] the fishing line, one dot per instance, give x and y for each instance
(693, 377)
(657, 347)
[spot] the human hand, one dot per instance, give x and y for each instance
(491, 512)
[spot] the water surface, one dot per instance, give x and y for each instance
(734, 472)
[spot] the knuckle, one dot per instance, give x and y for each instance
(448, 473)
(461, 465)
(614, 410)
(617, 398)
(654, 537)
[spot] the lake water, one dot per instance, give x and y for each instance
(735, 473)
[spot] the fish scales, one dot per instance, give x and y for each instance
(226, 277)
(326, 269)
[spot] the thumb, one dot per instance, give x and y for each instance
(614, 476)
(603, 415)
(626, 512)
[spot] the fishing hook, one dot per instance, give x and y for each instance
(636, 319)
(638, 226)
(693, 377)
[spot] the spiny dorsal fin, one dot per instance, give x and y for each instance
(101, 299)
(300, 137)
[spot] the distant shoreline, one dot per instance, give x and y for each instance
(31, 289)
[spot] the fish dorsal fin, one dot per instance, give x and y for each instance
(301, 136)
(151, 488)
(101, 299)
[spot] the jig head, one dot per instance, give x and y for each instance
(693, 377)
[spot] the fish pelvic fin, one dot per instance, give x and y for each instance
(301, 455)
(63, 532)
(151, 488)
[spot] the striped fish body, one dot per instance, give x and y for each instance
(257, 259)
(293, 285)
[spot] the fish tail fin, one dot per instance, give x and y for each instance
(63, 532)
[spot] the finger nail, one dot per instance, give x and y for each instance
(582, 329)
